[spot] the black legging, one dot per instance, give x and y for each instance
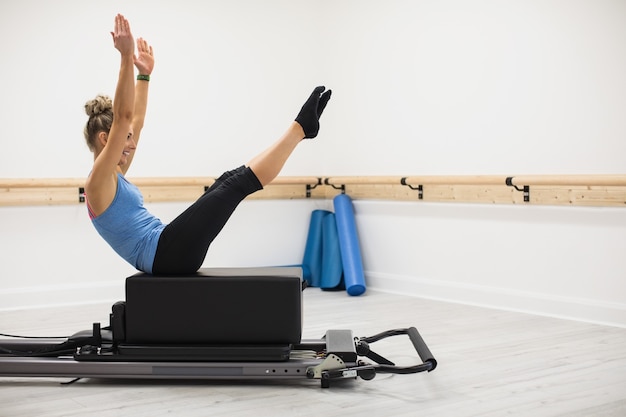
(185, 241)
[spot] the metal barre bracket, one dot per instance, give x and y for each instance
(525, 189)
(310, 187)
(342, 187)
(419, 188)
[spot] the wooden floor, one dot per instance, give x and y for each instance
(491, 363)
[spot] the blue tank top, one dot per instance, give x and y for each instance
(128, 227)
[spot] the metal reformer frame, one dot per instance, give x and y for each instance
(162, 304)
(92, 354)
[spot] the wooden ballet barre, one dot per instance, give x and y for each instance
(80, 182)
(419, 180)
(566, 180)
(391, 187)
(187, 188)
(41, 182)
(374, 180)
(599, 190)
(455, 180)
(139, 182)
(296, 181)
(291, 188)
(603, 186)
(569, 180)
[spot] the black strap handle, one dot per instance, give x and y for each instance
(429, 361)
(420, 346)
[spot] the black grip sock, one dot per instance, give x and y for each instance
(309, 116)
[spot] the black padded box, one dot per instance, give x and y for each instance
(215, 306)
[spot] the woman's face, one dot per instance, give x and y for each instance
(128, 148)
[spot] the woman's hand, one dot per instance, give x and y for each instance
(144, 61)
(122, 36)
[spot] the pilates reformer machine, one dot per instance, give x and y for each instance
(218, 324)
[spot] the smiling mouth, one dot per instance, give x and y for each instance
(126, 153)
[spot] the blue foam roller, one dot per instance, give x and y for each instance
(353, 275)
(332, 268)
(312, 260)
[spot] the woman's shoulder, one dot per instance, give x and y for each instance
(100, 191)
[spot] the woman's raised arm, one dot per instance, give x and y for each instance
(101, 184)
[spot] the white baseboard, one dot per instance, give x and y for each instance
(591, 311)
(61, 295)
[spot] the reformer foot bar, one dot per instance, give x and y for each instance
(218, 324)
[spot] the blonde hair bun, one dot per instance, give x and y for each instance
(98, 105)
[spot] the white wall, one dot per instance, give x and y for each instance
(479, 87)
(559, 262)
(229, 77)
(420, 87)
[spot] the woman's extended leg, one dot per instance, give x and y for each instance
(267, 165)
(184, 242)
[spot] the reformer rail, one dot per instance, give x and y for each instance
(591, 190)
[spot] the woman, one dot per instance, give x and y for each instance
(116, 206)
